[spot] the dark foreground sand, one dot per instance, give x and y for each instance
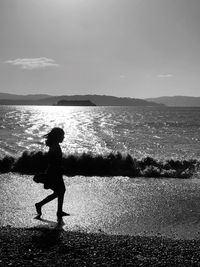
(55, 247)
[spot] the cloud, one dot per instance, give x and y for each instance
(165, 75)
(33, 63)
(122, 76)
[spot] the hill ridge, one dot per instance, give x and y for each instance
(98, 100)
(177, 101)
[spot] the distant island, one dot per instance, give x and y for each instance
(95, 100)
(75, 103)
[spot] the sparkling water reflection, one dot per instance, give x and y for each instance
(140, 131)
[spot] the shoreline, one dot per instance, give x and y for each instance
(54, 247)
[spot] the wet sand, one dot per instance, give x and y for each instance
(122, 206)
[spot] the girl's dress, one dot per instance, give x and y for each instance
(54, 170)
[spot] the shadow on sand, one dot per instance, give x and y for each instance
(49, 234)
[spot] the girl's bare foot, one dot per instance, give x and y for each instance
(38, 209)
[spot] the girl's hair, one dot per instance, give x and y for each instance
(54, 136)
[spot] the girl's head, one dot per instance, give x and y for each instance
(55, 136)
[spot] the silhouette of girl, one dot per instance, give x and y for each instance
(54, 172)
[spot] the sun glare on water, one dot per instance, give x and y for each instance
(75, 121)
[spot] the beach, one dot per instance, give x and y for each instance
(114, 221)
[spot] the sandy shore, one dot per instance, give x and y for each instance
(55, 247)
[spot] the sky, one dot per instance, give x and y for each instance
(126, 48)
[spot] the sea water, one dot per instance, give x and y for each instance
(159, 132)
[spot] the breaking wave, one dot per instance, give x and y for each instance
(112, 164)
